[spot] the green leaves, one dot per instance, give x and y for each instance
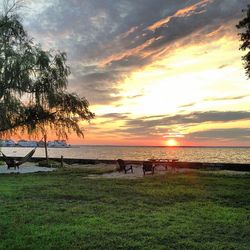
(33, 86)
(245, 39)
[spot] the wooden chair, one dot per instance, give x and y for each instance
(124, 167)
(148, 167)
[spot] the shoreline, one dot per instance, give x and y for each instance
(187, 165)
(90, 154)
(110, 171)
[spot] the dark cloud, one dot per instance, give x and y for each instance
(242, 134)
(223, 66)
(161, 125)
(98, 84)
(187, 105)
(135, 96)
(213, 99)
(196, 117)
(145, 132)
(115, 116)
(116, 34)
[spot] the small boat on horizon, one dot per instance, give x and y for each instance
(58, 144)
(33, 144)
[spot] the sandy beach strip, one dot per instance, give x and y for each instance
(26, 169)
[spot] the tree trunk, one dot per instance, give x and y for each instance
(46, 149)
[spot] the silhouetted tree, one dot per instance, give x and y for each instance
(33, 84)
(245, 39)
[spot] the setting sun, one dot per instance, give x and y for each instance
(171, 143)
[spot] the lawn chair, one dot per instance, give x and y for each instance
(124, 167)
(148, 167)
(11, 162)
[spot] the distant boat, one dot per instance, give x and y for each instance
(33, 144)
(58, 144)
(26, 144)
(7, 143)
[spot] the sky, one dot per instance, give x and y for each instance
(155, 72)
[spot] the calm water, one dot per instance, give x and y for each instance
(226, 155)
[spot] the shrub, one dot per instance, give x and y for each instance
(49, 164)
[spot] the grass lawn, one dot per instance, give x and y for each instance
(64, 210)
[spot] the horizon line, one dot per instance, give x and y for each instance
(163, 146)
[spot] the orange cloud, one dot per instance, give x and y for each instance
(187, 11)
(130, 31)
(122, 55)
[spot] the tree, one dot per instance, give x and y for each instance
(33, 84)
(245, 39)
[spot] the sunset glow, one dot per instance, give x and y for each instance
(171, 143)
(174, 73)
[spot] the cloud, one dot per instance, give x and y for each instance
(242, 134)
(107, 40)
(159, 126)
(99, 84)
(195, 117)
(186, 11)
(226, 98)
(116, 116)
(187, 105)
(223, 66)
(215, 99)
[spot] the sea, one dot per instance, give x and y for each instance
(188, 154)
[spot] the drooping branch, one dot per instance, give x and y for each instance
(33, 85)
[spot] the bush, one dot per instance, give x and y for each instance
(49, 164)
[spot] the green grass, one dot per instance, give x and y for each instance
(65, 210)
